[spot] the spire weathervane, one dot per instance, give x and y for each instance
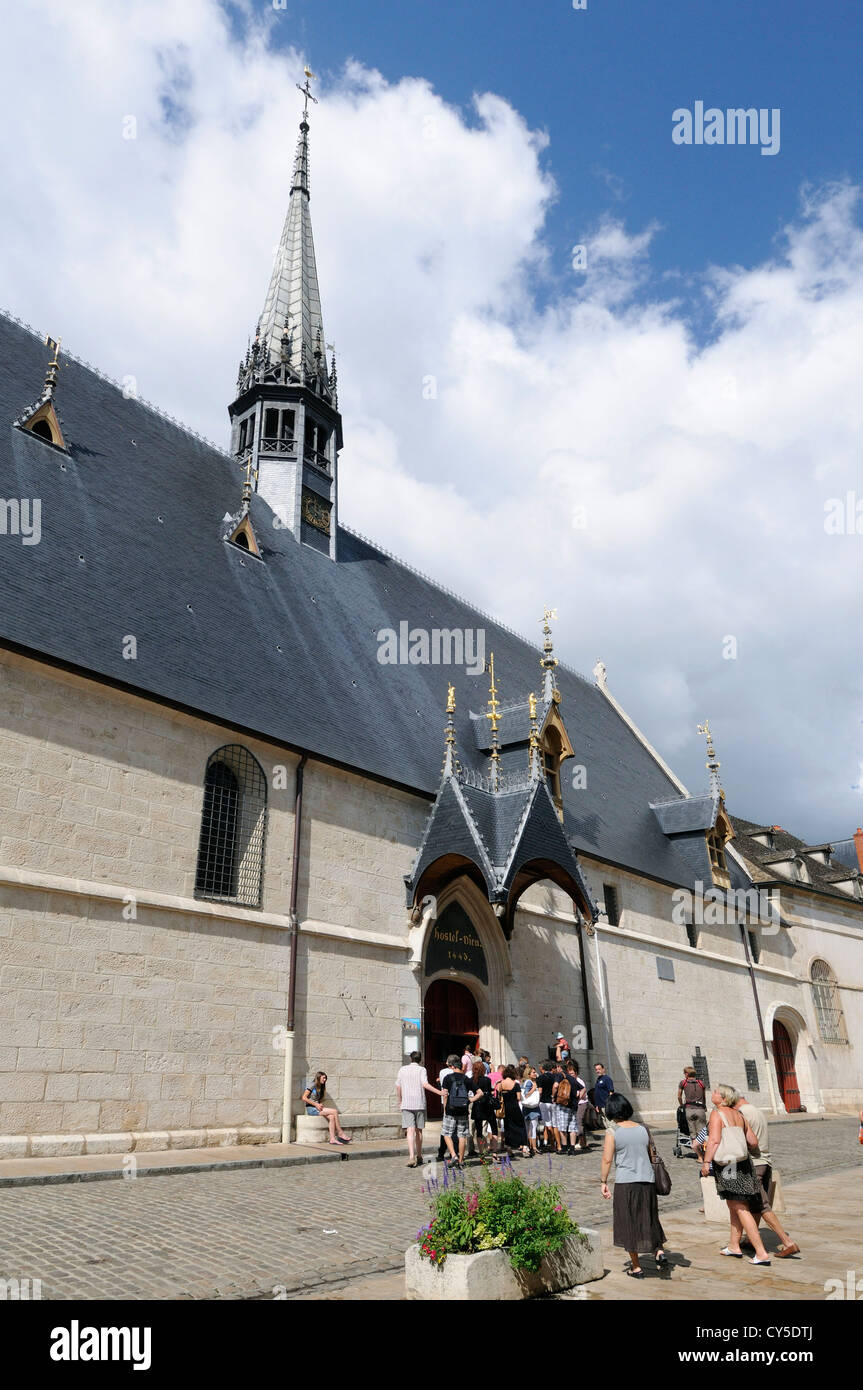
(548, 660)
(713, 763)
(307, 91)
(247, 484)
(53, 366)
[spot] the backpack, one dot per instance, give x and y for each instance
(458, 1094)
(698, 1097)
(564, 1091)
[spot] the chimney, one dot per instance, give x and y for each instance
(858, 843)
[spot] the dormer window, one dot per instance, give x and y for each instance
(44, 424)
(765, 838)
(552, 756)
(717, 839)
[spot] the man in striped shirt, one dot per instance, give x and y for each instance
(411, 1085)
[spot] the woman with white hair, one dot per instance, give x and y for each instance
(729, 1140)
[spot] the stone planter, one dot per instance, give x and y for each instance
(489, 1274)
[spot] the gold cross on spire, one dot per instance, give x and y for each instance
(307, 92)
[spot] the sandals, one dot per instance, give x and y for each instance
(343, 1139)
(732, 1254)
(759, 1262)
(634, 1273)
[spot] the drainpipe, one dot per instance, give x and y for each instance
(292, 969)
(585, 997)
(602, 1002)
(767, 1057)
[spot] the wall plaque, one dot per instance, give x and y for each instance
(454, 944)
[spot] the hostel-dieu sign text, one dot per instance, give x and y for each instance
(455, 945)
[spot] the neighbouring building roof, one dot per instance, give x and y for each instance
(765, 859)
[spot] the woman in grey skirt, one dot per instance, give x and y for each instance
(636, 1212)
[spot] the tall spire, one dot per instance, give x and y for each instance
(293, 302)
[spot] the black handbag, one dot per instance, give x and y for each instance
(661, 1175)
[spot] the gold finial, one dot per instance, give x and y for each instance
(247, 484)
(533, 759)
(493, 716)
(493, 704)
(450, 762)
(53, 365)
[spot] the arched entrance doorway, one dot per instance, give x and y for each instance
(451, 1020)
(783, 1052)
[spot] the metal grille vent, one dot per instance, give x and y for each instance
(700, 1064)
(639, 1071)
(233, 825)
(751, 1075)
(831, 1019)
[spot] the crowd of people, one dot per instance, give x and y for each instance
(510, 1108)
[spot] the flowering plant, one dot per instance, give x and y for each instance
(504, 1212)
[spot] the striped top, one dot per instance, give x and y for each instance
(410, 1079)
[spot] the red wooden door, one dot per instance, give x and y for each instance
(451, 1020)
(785, 1070)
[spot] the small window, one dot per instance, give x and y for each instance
(233, 823)
(692, 934)
(754, 946)
(751, 1075)
(699, 1062)
(639, 1071)
(612, 908)
(828, 1005)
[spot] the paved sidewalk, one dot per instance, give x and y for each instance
(304, 1229)
(825, 1213)
(34, 1172)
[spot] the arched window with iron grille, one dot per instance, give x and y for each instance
(233, 826)
(828, 1005)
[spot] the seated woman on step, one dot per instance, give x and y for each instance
(317, 1102)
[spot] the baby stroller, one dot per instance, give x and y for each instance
(684, 1143)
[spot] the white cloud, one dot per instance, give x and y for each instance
(703, 472)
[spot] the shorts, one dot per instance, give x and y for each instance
(566, 1120)
(456, 1125)
(764, 1172)
(546, 1111)
(531, 1121)
(413, 1119)
(313, 1110)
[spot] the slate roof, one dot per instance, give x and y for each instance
(132, 543)
(764, 860)
(681, 815)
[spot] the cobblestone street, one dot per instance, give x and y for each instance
(246, 1234)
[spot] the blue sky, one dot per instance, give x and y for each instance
(603, 83)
